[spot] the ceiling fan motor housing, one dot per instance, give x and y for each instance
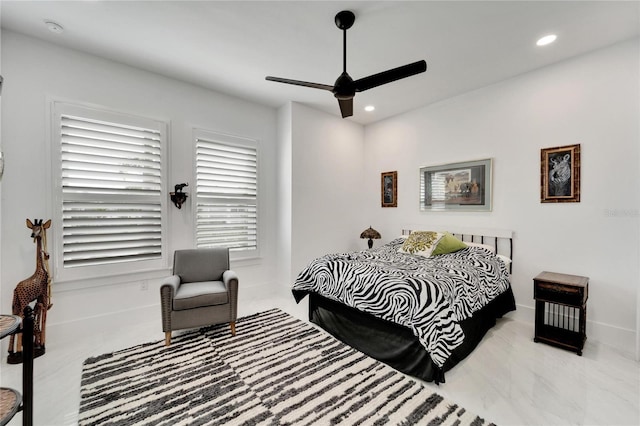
(344, 88)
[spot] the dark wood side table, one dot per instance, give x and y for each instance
(561, 310)
(10, 399)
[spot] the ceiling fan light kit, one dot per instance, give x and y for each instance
(345, 88)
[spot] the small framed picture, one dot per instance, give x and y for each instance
(389, 189)
(560, 174)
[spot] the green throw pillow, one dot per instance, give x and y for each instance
(448, 244)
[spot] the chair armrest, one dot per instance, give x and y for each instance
(227, 276)
(171, 283)
(168, 289)
(230, 280)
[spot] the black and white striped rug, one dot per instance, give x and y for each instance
(277, 370)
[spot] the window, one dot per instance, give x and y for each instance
(109, 189)
(227, 193)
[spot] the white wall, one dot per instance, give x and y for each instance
(36, 71)
(326, 185)
(284, 199)
(1, 180)
(591, 100)
(321, 174)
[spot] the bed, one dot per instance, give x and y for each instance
(419, 314)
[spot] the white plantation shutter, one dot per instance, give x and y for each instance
(227, 186)
(111, 187)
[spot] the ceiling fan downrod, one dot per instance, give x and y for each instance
(344, 20)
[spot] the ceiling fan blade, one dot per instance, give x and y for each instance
(388, 76)
(346, 107)
(300, 83)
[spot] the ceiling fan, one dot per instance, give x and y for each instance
(345, 88)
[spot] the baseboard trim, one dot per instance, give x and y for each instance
(619, 338)
(117, 318)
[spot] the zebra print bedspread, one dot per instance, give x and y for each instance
(427, 295)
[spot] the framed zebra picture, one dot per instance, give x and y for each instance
(560, 174)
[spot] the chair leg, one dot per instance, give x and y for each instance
(167, 338)
(233, 328)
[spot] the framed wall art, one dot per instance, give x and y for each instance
(560, 174)
(389, 189)
(456, 186)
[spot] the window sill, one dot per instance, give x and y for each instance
(104, 281)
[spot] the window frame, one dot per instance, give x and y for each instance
(228, 139)
(137, 268)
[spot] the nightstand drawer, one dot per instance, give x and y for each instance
(561, 288)
(560, 293)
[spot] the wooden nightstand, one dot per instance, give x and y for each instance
(561, 310)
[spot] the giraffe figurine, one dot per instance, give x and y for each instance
(35, 288)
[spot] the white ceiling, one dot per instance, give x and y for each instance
(230, 46)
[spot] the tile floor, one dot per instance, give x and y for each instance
(508, 379)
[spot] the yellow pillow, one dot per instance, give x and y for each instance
(448, 244)
(421, 243)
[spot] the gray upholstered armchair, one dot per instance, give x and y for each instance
(202, 291)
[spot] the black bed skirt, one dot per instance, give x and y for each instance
(396, 345)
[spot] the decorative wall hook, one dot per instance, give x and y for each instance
(178, 197)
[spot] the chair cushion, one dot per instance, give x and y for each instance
(196, 265)
(197, 295)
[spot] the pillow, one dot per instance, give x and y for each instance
(505, 259)
(421, 243)
(492, 249)
(448, 244)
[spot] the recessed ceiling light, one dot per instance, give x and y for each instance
(54, 27)
(369, 108)
(548, 39)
